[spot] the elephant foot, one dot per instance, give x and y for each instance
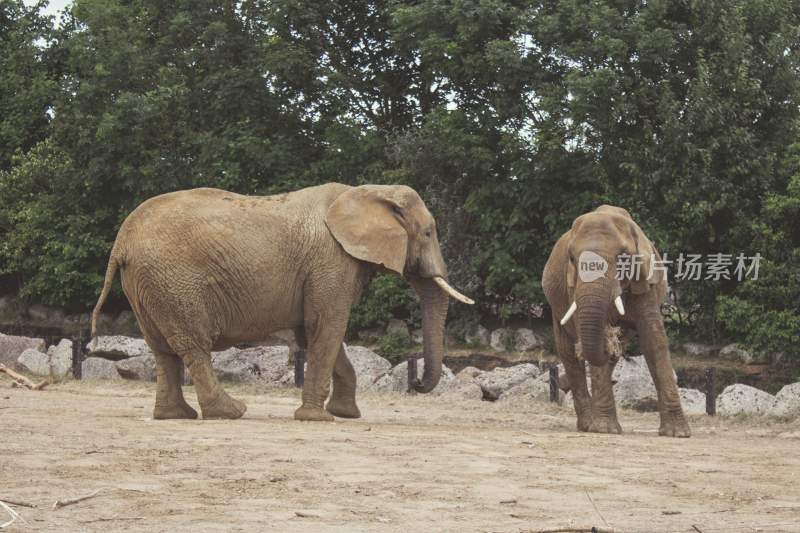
(177, 410)
(312, 414)
(604, 424)
(223, 406)
(343, 408)
(584, 422)
(674, 425)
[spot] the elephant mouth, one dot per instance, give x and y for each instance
(574, 307)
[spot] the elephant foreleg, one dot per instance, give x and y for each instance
(324, 335)
(604, 409)
(169, 393)
(214, 401)
(653, 340)
(576, 372)
(342, 402)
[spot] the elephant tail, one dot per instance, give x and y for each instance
(111, 271)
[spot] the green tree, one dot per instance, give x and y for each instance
(27, 82)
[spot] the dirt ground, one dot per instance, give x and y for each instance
(411, 463)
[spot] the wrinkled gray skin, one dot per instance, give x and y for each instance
(206, 269)
(609, 231)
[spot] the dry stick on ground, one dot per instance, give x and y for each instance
(603, 518)
(70, 501)
(22, 380)
(17, 504)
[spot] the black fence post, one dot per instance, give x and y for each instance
(711, 391)
(554, 383)
(412, 373)
(299, 368)
(77, 357)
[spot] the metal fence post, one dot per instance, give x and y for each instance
(412, 373)
(299, 368)
(77, 357)
(711, 391)
(553, 383)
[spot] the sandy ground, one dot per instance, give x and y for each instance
(412, 463)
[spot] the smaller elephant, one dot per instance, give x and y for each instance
(590, 302)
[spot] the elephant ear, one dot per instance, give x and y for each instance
(365, 222)
(648, 254)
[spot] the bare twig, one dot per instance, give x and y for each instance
(70, 501)
(596, 509)
(17, 503)
(21, 380)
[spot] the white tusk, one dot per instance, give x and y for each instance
(569, 313)
(619, 306)
(452, 292)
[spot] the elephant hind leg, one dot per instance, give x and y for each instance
(342, 402)
(170, 402)
(214, 401)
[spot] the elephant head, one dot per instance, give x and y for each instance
(390, 226)
(596, 242)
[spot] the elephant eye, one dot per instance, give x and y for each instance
(397, 210)
(428, 233)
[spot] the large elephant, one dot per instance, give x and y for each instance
(580, 282)
(206, 269)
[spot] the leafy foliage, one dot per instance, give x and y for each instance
(511, 118)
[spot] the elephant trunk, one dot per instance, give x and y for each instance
(593, 302)
(434, 302)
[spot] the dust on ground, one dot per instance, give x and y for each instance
(411, 463)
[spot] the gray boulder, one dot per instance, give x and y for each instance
(252, 365)
(696, 349)
(12, 346)
(536, 389)
(462, 388)
(480, 336)
(787, 402)
(633, 387)
(99, 368)
(743, 399)
(117, 347)
(368, 366)
(60, 356)
(35, 362)
(518, 340)
(140, 368)
(693, 401)
(496, 382)
(469, 372)
(735, 352)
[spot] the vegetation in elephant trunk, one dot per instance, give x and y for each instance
(434, 302)
(593, 300)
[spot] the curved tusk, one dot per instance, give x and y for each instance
(452, 292)
(619, 306)
(569, 313)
